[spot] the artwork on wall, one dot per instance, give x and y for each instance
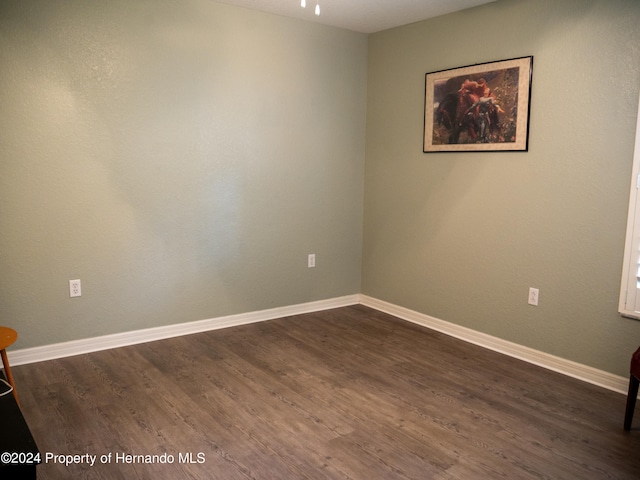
(479, 108)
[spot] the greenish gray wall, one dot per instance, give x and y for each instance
(462, 236)
(180, 158)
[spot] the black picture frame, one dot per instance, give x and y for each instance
(479, 108)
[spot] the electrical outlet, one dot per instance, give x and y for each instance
(533, 296)
(311, 260)
(75, 289)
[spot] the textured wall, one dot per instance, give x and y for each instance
(462, 236)
(180, 158)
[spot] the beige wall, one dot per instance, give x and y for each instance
(462, 236)
(180, 158)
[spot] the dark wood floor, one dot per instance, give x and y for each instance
(349, 393)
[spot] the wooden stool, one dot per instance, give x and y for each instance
(7, 337)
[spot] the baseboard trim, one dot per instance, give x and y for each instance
(536, 357)
(78, 347)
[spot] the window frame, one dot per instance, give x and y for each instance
(628, 305)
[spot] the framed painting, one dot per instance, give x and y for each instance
(479, 108)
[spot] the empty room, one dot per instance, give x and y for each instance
(333, 239)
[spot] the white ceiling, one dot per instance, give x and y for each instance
(365, 16)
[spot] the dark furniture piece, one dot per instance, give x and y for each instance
(634, 381)
(18, 450)
(7, 337)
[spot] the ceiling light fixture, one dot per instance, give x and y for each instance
(303, 4)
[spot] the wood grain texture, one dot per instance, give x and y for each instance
(349, 393)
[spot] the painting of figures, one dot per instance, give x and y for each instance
(478, 108)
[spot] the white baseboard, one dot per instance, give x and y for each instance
(536, 357)
(77, 347)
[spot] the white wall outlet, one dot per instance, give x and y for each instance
(75, 288)
(311, 260)
(534, 293)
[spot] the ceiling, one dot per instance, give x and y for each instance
(366, 16)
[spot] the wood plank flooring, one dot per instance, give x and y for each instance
(349, 393)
